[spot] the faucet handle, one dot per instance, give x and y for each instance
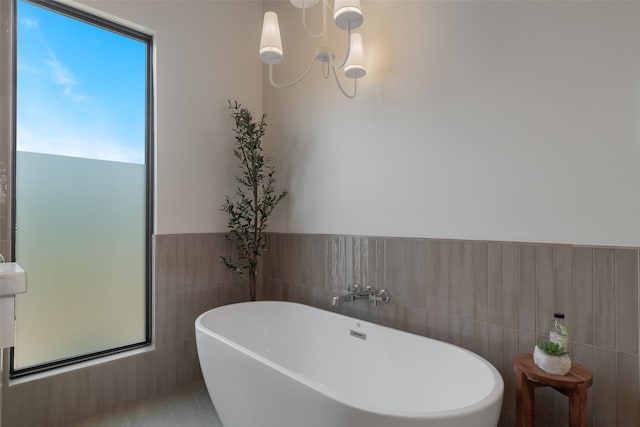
(384, 295)
(354, 288)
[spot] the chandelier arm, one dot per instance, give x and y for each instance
(296, 81)
(304, 24)
(346, 55)
(355, 86)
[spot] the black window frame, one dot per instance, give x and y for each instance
(123, 30)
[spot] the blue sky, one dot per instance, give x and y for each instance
(81, 89)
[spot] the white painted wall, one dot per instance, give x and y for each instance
(205, 55)
(477, 120)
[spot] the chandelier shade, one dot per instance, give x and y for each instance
(270, 42)
(347, 14)
(354, 68)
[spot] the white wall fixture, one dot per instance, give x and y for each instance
(347, 16)
(13, 280)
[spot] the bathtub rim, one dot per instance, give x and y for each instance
(495, 394)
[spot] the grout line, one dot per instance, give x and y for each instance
(553, 278)
(615, 302)
(487, 285)
(593, 297)
(535, 292)
(517, 273)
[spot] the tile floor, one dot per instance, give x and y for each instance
(188, 407)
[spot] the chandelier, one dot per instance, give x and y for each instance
(347, 15)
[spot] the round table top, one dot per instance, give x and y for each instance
(577, 376)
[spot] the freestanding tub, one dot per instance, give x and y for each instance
(280, 364)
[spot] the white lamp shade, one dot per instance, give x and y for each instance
(347, 14)
(354, 68)
(270, 42)
(304, 4)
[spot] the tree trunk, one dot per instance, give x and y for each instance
(253, 276)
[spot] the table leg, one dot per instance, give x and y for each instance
(578, 407)
(525, 401)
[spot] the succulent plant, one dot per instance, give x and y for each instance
(552, 348)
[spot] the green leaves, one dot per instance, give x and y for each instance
(255, 198)
(551, 348)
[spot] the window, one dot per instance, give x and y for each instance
(83, 186)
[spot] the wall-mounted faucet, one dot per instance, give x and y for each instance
(355, 293)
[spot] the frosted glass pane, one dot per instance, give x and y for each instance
(81, 239)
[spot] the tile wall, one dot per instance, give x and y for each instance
(494, 298)
(189, 280)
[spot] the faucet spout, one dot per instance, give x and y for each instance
(339, 300)
(352, 294)
(355, 293)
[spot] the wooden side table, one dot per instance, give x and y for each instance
(574, 385)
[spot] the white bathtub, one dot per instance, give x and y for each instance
(280, 364)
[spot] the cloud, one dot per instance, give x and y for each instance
(30, 23)
(82, 141)
(63, 77)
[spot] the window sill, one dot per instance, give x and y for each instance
(81, 365)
